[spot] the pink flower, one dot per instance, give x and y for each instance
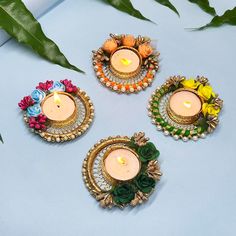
(38, 122)
(45, 86)
(70, 88)
(26, 102)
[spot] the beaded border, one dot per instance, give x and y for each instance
(94, 158)
(75, 131)
(150, 66)
(161, 119)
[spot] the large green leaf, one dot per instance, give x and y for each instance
(17, 21)
(127, 7)
(1, 140)
(167, 3)
(229, 17)
(205, 6)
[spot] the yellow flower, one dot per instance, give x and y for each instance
(190, 83)
(206, 92)
(210, 109)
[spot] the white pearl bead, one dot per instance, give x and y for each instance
(139, 88)
(185, 139)
(131, 90)
(102, 79)
(195, 138)
(203, 135)
(123, 89)
(159, 127)
(115, 87)
(166, 133)
(176, 137)
(108, 84)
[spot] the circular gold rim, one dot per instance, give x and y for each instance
(89, 160)
(71, 119)
(111, 179)
(130, 74)
(186, 120)
(89, 115)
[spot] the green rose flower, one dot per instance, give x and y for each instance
(148, 152)
(145, 184)
(123, 194)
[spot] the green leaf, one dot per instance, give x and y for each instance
(127, 7)
(1, 140)
(205, 6)
(229, 17)
(168, 4)
(18, 22)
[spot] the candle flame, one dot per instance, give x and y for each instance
(57, 99)
(125, 61)
(121, 160)
(187, 104)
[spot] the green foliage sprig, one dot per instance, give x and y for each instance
(18, 22)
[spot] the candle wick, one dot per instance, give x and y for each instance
(58, 106)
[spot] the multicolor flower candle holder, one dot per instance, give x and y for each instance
(121, 171)
(185, 108)
(57, 111)
(126, 64)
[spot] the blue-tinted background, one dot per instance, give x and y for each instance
(41, 189)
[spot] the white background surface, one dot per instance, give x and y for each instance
(41, 189)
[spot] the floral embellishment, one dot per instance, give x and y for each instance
(210, 109)
(57, 86)
(138, 81)
(145, 50)
(45, 86)
(26, 102)
(69, 87)
(206, 92)
(201, 123)
(123, 194)
(190, 83)
(148, 152)
(110, 45)
(128, 40)
(145, 183)
(38, 95)
(34, 110)
(38, 122)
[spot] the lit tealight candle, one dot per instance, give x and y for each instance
(125, 62)
(121, 164)
(59, 107)
(184, 106)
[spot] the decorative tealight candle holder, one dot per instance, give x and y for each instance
(57, 111)
(121, 171)
(126, 64)
(185, 108)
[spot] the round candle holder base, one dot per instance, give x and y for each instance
(115, 192)
(185, 127)
(57, 131)
(130, 72)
